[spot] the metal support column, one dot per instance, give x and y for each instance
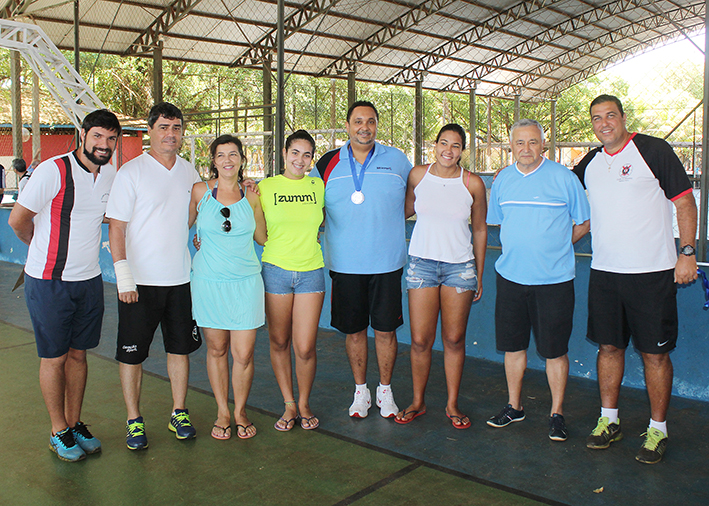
(488, 160)
(473, 128)
(76, 35)
(279, 131)
(16, 91)
(36, 131)
(552, 133)
(704, 179)
(351, 88)
(157, 73)
(516, 113)
(77, 58)
(418, 124)
(267, 119)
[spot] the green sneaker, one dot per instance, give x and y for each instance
(653, 448)
(604, 434)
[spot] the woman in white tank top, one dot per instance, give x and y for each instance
(441, 275)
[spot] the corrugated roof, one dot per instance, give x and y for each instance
(532, 48)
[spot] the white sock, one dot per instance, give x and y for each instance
(661, 426)
(384, 386)
(610, 413)
(362, 387)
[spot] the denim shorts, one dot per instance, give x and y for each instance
(280, 281)
(425, 273)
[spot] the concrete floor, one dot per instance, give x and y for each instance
(345, 461)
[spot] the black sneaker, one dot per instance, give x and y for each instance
(557, 428)
(506, 417)
(653, 448)
(604, 434)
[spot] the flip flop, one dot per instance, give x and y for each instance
(246, 434)
(226, 432)
(404, 420)
(310, 426)
(460, 424)
(288, 424)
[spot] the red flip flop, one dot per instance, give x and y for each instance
(460, 424)
(404, 420)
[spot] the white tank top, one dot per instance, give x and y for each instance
(441, 231)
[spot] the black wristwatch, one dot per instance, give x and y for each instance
(687, 250)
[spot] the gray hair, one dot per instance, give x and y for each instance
(525, 122)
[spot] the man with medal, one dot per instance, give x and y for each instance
(633, 181)
(365, 249)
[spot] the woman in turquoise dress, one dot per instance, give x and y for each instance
(227, 288)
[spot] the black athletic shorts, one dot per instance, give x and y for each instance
(168, 306)
(358, 297)
(642, 305)
(547, 310)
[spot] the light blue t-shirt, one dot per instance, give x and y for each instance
(535, 213)
(366, 238)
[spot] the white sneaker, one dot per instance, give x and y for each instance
(361, 404)
(385, 402)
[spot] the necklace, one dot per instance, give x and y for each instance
(610, 164)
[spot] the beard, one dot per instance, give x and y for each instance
(98, 159)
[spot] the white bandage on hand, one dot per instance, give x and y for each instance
(124, 277)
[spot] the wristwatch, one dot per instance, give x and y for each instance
(687, 250)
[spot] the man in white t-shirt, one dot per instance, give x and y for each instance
(148, 233)
(633, 182)
(59, 215)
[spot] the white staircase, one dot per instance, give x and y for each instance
(65, 84)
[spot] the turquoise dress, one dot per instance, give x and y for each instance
(226, 283)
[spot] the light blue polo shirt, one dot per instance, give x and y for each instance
(535, 213)
(367, 238)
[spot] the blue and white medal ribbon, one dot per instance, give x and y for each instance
(357, 196)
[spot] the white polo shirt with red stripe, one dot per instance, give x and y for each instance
(70, 205)
(631, 194)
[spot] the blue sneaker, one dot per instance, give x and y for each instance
(135, 434)
(64, 445)
(180, 424)
(85, 439)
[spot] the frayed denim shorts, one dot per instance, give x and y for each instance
(280, 281)
(425, 273)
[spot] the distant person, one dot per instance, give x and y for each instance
(542, 211)
(2, 180)
(633, 180)
(445, 267)
(36, 160)
(294, 276)
(148, 233)
(59, 214)
(227, 289)
(23, 176)
(365, 249)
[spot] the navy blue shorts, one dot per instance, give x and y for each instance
(65, 314)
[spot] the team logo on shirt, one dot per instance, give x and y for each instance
(625, 170)
(302, 198)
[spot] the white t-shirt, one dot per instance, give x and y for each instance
(154, 201)
(70, 205)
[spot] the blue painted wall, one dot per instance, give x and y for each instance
(690, 358)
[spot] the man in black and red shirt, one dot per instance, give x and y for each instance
(633, 181)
